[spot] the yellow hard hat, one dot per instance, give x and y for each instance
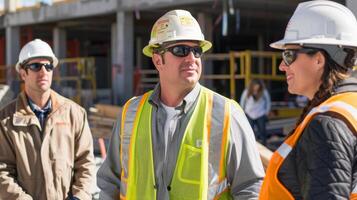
(176, 25)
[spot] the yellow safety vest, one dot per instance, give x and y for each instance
(200, 171)
(344, 104)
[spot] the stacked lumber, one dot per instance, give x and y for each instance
(102, 119)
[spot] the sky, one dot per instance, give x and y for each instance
(32, 2)
(25, 2)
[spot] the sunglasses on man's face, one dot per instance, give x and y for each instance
(184, 50)
(290, 55)
(36, 67)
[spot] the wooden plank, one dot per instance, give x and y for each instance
(108, 110)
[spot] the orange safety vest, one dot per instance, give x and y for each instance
(344, 104)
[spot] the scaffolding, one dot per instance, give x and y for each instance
(233, 67)
(240, 67)
(74, 75)
(73, 78)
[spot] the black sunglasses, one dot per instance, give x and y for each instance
(290, 55)
(36, 67)
(183, 50)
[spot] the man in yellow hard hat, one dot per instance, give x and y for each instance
(181, 140)
(46, 147)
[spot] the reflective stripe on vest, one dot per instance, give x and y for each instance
(128, 123)
(344, 104)
(198, 174)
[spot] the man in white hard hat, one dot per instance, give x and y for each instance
(46, 147)
(181, 140)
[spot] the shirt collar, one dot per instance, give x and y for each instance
(34, 107)
(185, 105)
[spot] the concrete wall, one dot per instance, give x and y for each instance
(153, 4)
(352, 5)
(83, 8)
(60, 11)
(122, 38)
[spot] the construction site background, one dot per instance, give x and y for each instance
(99, 45)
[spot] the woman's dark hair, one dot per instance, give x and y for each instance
(260, 90)
(333, 73)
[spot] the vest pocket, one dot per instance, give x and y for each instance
(189, 169)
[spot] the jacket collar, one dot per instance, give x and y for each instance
(24, 115)
(347, 85)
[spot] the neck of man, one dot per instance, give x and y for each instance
(40, 99)
(173, 96)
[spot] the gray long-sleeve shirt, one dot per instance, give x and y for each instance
(244, 168)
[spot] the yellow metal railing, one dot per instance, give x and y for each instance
(240, 68)
(269, 67)
(76, 74)
(77, 71)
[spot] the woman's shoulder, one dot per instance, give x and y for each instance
(330, 128)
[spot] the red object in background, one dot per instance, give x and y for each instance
(26, 35)
(73, 48)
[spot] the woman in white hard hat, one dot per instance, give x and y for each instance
(318, 159)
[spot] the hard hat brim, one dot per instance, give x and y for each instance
(148, 49)
(54, 61)
(281, 44)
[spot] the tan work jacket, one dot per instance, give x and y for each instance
(49, 163)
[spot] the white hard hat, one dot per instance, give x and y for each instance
(320, 22)
(176, 25)
(36, 49)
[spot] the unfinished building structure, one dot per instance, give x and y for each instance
(110, 35)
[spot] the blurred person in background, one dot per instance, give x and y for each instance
(317, 161)
(46, 147)
(181, 140)
(256, 103)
